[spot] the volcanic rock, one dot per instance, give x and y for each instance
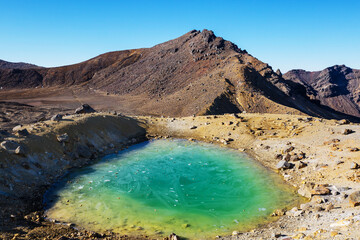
(334, 87)
(57, 117)
(354, 199)
(85, 108)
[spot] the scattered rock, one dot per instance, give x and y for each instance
(355, 149)
(235, 233)
(299, 236)
(294, 158)
(283, 165)
(343, 121)
(341, 223)
(294, 212)
(22, 132)
(354, 165)
(278, 212)
(193, 127)
(348, 131)
(302, 165)
(185, 225)
(85, 108)
(289, 149)
(317, 199)
(57, 117)
(329, 207)
(63, 138)
(20, 150)
(173, 236)
(17, 128)
(354, 199)
(286, 157)
(305, 190)
(278, 156)
(332, 141)
(320, 190)
(9, 145)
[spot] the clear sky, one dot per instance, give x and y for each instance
(286, 34)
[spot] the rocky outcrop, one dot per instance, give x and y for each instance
(335, 87)
(30, 164)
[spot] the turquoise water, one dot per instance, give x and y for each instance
(196, 190)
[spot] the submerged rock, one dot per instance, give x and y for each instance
(173, 236)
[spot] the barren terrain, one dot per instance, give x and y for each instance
(321, 155)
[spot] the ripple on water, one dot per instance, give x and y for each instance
(159, 187)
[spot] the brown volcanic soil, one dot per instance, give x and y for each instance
(337, 87)
(197, 73)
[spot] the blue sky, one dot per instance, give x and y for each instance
(287, 34)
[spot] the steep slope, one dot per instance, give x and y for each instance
(197, 73)
(20, 65)
(337, 87)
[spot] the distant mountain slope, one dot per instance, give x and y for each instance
(337, 87)
(197, 73)
(20, 65)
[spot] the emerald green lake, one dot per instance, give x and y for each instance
(196, 190)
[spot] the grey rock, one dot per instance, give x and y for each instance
(354, 165)
(85, 108)
(283, 165)
(57, 117)
(343, 121)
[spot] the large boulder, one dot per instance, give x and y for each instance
(85, 108)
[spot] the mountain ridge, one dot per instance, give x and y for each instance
(337, 87)
(197, 73)
(17, 65)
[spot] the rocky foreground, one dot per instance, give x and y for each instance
(319, 158)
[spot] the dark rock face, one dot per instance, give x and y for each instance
(197, 73)
(335, 87)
